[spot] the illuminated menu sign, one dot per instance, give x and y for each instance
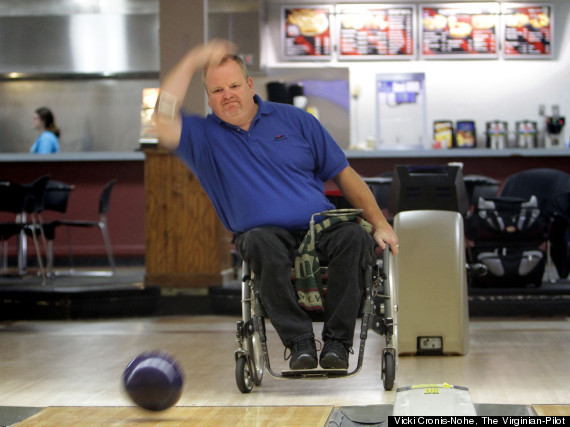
(306, 32)
(466, 30)
(375, 31)
(527, 30)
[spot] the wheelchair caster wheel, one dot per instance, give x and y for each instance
(388, 370)
(244, 377)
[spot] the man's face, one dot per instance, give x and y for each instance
(230, 95)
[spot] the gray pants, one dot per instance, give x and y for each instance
(346, 248)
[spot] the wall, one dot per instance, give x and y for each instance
(93, 115)
(102, 115)
(482, 90)
(182, 26)
(88, 61)
(333, 114)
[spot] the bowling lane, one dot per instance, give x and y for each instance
(80, 363)
(268, 416)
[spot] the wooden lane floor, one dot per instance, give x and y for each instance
(261, 416)
(552, 410)
(264, 416)
(79, 364)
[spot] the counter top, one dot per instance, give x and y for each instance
(457, 153)
(95, 156)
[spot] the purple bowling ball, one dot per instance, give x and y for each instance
(154, 380)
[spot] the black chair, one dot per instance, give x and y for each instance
(552, 190)
(12, 200)
(480, 186)
(57, 198)
(524, 229)
(22, 201)
(507, 235)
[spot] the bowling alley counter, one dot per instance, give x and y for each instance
(497, 164)
(151, 217)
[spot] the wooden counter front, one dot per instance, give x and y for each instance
(186, 243)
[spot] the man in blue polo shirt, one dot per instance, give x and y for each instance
(264, 165)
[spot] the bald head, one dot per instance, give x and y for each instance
(226, 58)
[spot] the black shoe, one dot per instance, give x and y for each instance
(334, 355)
(303, 355)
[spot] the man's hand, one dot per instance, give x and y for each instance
(359, 196)
(384, 236)
(212, 53)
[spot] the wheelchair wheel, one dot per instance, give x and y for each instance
(388, 370)
(244, 377)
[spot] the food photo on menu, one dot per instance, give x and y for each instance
(307, 32)
(527, 31)
(449, 31)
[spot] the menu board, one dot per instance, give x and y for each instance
(370, 31)
(527, 30)
(306, 32)
(466, 30)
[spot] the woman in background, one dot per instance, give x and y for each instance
(47, 142)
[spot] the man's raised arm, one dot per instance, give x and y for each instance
(175, 85)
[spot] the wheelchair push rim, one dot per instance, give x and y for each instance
(390, 353)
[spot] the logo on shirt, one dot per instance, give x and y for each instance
(280, 137)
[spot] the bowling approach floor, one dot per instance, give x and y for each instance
(69, 373)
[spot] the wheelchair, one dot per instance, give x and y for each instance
(378, 313)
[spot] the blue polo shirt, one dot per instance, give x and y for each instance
(46, 143)
(271, 175)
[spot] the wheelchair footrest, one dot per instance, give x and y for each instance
(314, 373)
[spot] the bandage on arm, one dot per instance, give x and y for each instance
(167, 108)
